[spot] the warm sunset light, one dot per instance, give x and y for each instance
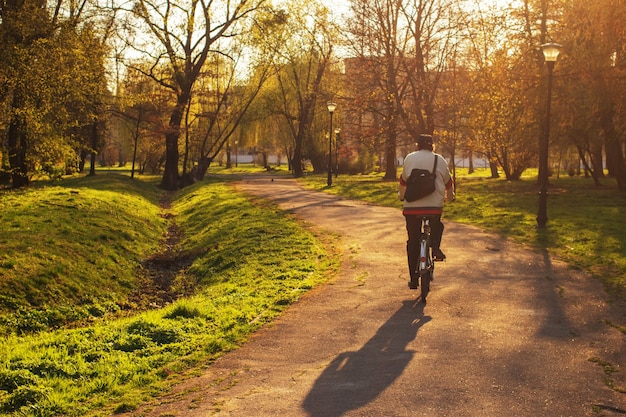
(173, 241)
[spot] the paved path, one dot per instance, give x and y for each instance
(506, 332)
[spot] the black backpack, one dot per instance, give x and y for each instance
(420, 183)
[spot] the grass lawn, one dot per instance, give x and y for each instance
(586, 224)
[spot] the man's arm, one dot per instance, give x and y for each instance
(450, 192)
(401, 188)
(448, 181)
(401, 191)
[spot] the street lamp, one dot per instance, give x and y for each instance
(337, 131)
(331, 109)
(550, 54)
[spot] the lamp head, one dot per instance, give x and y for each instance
(331, 106)
(551, 51)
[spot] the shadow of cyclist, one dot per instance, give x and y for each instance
(355, 378)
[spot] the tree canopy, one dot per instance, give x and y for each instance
(177, 83)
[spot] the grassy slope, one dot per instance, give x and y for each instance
(252, 261)
(69, 250)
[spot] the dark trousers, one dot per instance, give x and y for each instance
(414, 231)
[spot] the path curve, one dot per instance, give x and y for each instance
(506, 332)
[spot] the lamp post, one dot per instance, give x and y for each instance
(337, 131)
(550, 54)
(331, 109)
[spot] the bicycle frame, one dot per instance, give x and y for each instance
(425, 266)
(425, 256)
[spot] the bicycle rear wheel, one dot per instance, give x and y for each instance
(426, 278)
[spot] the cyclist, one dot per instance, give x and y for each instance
(431, 205)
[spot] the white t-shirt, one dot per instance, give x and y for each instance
(425, 159)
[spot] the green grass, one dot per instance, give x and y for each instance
(586, 224)
(251, 262)
(69, 250)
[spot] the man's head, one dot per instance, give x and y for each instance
(425, 142)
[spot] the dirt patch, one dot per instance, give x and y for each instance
(158, 279)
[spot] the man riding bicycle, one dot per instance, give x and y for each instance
(430, 205)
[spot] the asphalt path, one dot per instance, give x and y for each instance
(506, 332)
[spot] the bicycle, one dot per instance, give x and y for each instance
(425, 265)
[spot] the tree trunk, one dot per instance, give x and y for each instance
(596, 159)
(17, 146)
(391, 171)
(593, 172)
(229, 163)
(494, 169)
(453, 163)
(17, 140)
(81, 161)
(614, 147)
(171, 179)
(94, 145)
(199, 171)
(614, 151)
(306, 115)
(296, 163)
(289, 155)
(135, 143)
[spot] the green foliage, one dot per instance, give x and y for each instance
(585, 227)
(251, 262)
(56, 89)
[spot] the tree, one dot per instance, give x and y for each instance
(453, 105)
(224, 99)
(264, 127)
(51, 86)
(379, 40)
(594, 36)
(304, 53)
(184, 34)
(86, 103)
(435, 29)
(501, 118)
(140, 116)
(503, 57)
(407, 45)
(23, 26)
